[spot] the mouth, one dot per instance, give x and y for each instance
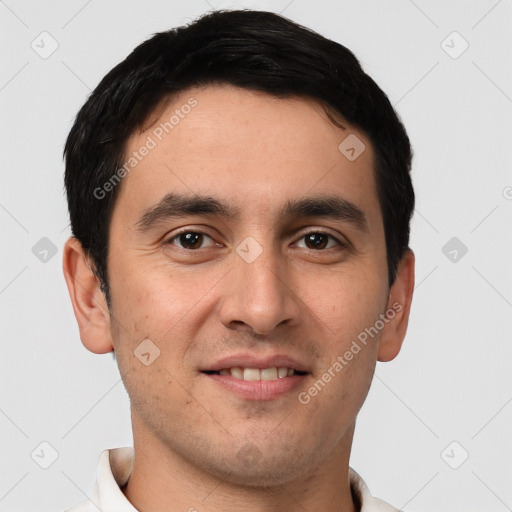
(255, 378)
(255, 374)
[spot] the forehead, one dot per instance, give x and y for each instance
(250, 148)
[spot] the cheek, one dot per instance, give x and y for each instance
(156, 302)
(155, 295)
(346, 302)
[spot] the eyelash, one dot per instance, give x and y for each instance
(316, 231)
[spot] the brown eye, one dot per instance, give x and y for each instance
(319, 241)
(190, 240)
(316, 240)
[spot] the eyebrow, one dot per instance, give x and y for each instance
(175, 206)
(323, 206)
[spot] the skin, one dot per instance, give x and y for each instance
(254, 152)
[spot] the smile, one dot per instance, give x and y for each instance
(272, 373)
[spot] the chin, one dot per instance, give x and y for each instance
(252, 468)
(263, 477)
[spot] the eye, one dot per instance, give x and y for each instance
(191, 240)
(318, 240)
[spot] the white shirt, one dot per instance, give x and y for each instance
(115, 468)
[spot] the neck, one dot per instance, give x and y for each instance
(163, 480)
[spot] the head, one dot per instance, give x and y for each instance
(216, 212)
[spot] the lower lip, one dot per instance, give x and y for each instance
(259, 389)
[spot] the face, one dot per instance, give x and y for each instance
(245, 240)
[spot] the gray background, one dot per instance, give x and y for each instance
(452, 381)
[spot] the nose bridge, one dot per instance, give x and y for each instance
(259, 295)
(261, 276)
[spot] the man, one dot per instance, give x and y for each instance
(240, 198)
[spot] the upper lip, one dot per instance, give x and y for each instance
(253, 361)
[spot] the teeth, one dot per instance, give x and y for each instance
(282, 372)
(272, 373)
(268, 374)
(251, 374)
(238, 373)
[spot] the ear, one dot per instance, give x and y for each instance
(88, 301)
(399, 307)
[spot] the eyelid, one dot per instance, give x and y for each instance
(340, 239)
(174, 235)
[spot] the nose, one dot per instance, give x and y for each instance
(260, 296)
